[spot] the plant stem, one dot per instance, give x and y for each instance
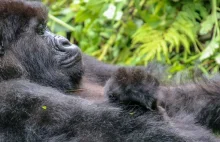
(55, 19)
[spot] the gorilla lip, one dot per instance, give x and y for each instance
(72, 60)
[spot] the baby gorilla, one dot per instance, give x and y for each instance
(132, 86)
(134, 89)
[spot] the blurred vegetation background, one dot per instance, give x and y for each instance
(180, 33)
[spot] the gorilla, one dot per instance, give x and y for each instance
(199, 99)
(51, 91)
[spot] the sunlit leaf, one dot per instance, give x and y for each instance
(210, 49)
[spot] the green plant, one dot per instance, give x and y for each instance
(181, 33)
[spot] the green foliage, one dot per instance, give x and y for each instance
(181, 33)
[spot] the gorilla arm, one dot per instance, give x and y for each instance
(31, 112)
(201, 99)
(96, 74)
(97, 71)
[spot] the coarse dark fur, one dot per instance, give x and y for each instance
(37, 69)
(198, 99)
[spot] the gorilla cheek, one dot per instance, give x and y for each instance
(67, 55)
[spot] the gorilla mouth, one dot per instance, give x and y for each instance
(71, 61)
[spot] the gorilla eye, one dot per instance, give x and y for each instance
(41, 29)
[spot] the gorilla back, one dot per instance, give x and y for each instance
(36, 67)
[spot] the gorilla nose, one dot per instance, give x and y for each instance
(73, 52)
(64, 42)
(66, 46)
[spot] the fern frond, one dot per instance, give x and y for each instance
(176, 37)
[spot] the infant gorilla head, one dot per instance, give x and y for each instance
(132, 86)
(29, 50)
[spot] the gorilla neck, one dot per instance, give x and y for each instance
(90, 90)
(55, 79)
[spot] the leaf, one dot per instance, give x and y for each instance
(95, 6)
(207, 25)
(217, 59)
(185, 43)
(83, 15)
(44, 107)
(210, 49)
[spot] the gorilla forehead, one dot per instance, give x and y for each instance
(24, 8)
(15, 18)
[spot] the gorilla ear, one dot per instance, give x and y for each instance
(2, 49)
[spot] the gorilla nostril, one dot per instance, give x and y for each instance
(65, 43)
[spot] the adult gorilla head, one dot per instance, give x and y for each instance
(29, 50)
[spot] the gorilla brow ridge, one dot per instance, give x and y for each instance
(24, 8)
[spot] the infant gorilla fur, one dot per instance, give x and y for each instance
(198, 100)
(36, 69)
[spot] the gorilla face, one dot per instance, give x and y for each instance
(31, 51)
(68, 56)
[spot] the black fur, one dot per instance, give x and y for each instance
(37, 69)
(199, 99)
(31, 112)
(132, 86)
